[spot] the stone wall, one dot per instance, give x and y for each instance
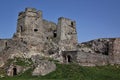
(100, 46)
(69, 56)
(14, 70)
(108, 47)
(50, 30)
(3, 44)
(91, 59)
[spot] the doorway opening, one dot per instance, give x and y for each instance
(69, 59)
(14, 71)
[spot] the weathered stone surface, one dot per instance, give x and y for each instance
(44, 67)
(108, 47)
(37, 38)
(91, 59)
(114, 52)
(96, 46)
(1, 62)
(69, 56)
(67, 35)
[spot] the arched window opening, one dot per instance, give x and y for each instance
(14, 71)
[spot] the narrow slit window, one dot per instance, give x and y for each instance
(21, 29)
(54, 33)
(72, 24)
(6, 44)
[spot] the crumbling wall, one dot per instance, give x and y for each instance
(100, 46)
(91, 59)
(50, 29)
(3, 44)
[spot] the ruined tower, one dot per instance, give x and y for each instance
(30, 25)
(30, 30)
(67, 35)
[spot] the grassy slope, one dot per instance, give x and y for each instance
(74, 72)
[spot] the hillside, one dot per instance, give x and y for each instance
(74, 72)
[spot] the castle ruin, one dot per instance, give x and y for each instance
(37, 36)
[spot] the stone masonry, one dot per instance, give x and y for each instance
(37, 36)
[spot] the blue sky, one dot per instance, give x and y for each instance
(94, 18)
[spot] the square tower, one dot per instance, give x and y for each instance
(67, 34)
(30, 24)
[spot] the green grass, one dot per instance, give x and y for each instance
(23, 62)
(20, 62)
(73, 72)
